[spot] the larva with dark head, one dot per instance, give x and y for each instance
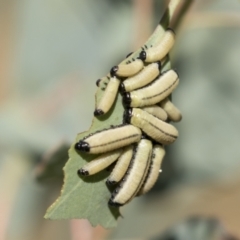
(121, 166)
(172, 111)
(155, 128)
(158, 154)
(156, 111)
(134, 177)
(110, 139)
(108, 97)
(154, 92)
(100, 163)
(158, 52)
(127, 70)
(147, 75)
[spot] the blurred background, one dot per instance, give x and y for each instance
(52, 52)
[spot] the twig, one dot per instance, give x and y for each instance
(179, 13)
(142, 26)
(171, 18)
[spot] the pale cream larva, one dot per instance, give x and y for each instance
(121, 166)
(100, 163)
(155, 128)
(159, 51)
(172, 111)
(154, 92)
(109, 139)
(158, 154)
(108, 97)
(127, 70)
(134, 177)
(147, 75)
(156, 111)
(145, 173)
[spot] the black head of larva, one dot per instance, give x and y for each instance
(98, 82)
(110, 183)
(143, 55)
(82, 172)
(127, 99)
(113, 71)
(159, 65)
(82, 146)
(122, 88)
(127, 115)
(98, 112)
(144, 136)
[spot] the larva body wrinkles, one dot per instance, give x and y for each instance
(121, 166)
(158, 52)
(100, 163)
(110, 139)
(154, 92)
(108, 97)
(155, 128)
(127, 70)
(172, 111)
(156, 111)
(158, 154)
(134, 177)
(147, 75)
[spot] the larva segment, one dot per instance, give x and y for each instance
(147, 75)
(127, 70)
(145, 173)
(108, 97)
(110, 139)
(154, 92)
(121, 166)
(133, 179)
(158, 52)
(156, 111)
(100, 163)
(158, 154)
(173, 112)
(155, 128)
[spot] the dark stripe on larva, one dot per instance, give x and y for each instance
(149, 171)
(121, 139)
(146, 169)
(126, 175)
(121, 185)
(161, 130)
(140, 184)
(162, 91)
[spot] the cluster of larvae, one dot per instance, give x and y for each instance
(137, 146)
